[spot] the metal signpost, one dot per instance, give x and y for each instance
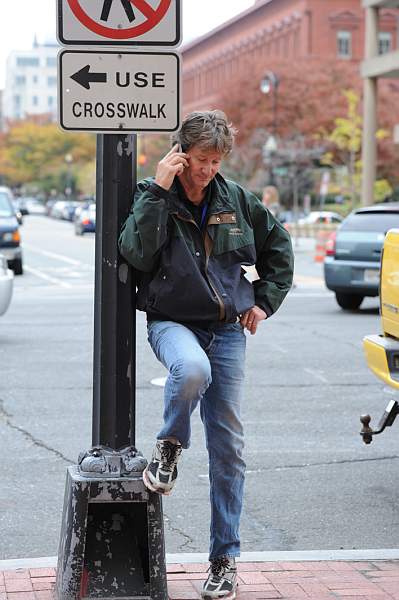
(112, 540)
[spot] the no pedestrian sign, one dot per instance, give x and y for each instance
(119, 91)
(119, 22)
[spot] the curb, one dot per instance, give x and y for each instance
(280, 556)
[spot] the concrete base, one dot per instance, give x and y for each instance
(112, 540)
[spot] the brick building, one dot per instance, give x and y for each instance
(276, 30)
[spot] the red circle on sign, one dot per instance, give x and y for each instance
(153, 18)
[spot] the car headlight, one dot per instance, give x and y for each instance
(12, 236)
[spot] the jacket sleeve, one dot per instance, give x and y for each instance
(274, 258)
(145, 230)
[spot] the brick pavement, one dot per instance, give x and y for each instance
(365, 580)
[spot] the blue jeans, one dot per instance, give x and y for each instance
(207, 366)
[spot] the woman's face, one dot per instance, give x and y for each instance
(204, 164)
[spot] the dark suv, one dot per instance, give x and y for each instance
(352, 263)
(10, 239)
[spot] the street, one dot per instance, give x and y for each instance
(311, 482)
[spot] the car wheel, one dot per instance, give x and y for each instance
(17, 266)
(349, 301)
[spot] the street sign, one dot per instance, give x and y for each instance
(119, 91)
(119, 22)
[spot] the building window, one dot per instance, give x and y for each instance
(384, 42)
(20, 80)
(344, 44)
(35, 100)
(51, 81)
(51, 61)
(50, 101)
(27, 61)
(17, 101)
(35, 79)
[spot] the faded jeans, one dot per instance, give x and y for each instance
(206, 366)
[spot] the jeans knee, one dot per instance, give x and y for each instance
(193, 376)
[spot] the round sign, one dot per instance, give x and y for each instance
(152, 18)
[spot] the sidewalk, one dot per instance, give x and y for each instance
(291, 580)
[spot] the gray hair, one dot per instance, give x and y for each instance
(208, 129)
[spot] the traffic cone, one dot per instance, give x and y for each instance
(321, 242)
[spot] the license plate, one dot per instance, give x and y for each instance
(372, 275)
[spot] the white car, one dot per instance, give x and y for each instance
(35, 207)
(6, 285)
(321, 217)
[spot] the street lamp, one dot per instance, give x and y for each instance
(270, 83)
(68, 188)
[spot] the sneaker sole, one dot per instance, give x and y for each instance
(152, 488)
(231, 596)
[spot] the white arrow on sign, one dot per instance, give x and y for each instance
(119, 22)
(119, 91)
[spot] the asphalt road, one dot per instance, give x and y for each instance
(311, 483)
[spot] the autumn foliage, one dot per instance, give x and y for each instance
(34, 152)
(310, 98)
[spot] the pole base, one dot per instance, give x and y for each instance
(112, 540)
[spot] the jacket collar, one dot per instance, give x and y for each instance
(220, 200)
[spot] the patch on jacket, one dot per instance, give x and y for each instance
(235, 231)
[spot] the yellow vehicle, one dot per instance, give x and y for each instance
(382, 351)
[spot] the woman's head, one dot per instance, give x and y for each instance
(208, 130)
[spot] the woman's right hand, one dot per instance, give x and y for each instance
(172, 164)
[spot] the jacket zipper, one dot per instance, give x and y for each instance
(222, 308)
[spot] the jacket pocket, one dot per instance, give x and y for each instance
(230, 236)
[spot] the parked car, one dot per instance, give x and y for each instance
(85, 221)
(20, 205)
(10, 239)
(34, 206)
(57, 209)
(6, 285)
(321, 217)
(68, 212)
(49, 205)
(352, 263)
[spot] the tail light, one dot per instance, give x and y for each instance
(331, 243)
(85, 221)
(16, 236)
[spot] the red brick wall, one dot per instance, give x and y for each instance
(272, 30)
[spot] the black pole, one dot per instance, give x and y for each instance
(114, 369)
(98, 559)
(275, 92)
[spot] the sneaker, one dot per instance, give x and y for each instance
(222, 579)
(160, 475)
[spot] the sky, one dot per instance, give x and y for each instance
(20, 22)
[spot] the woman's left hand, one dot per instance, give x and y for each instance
(251, 318)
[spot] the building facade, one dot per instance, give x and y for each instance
(31, 83)
(276, 30)
(374, 66)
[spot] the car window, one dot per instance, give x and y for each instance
(6, 209)
(371, 221)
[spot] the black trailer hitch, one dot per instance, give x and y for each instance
(389, 416)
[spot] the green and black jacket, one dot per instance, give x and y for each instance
(193, 276)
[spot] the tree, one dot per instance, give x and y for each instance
(35, 153)
(345, 142)
(309, 100)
